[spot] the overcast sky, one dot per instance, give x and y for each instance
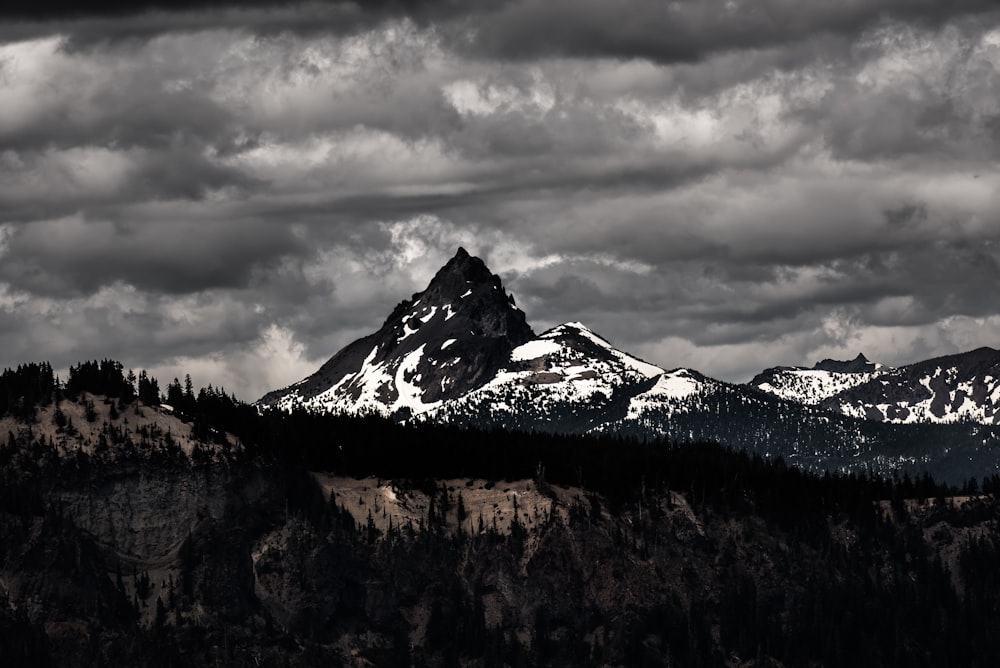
(236, 190)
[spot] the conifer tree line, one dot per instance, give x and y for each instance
(24, 388)
(612, 464)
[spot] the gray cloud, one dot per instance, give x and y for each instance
(240, 189)
(684, 31)
(75, 256)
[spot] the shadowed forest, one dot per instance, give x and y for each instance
(645, 553)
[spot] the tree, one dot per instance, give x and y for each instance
(142, 585)
(175, 395)
(188, 390)
(461, 509)
(149, 389)
(161, 614)
(59, 417)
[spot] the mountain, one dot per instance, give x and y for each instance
(950, 389)
(440, 344)
(567, 379)
(462, 353)
(954, 388)
(812, 386)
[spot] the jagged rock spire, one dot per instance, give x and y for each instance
(444, 341)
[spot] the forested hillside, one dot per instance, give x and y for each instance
(208, 533)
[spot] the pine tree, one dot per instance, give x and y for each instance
(461, 509)
(175, 395)
(59, 417)
(189, 398)
(161, 614)
(149, 389)
(89, 411)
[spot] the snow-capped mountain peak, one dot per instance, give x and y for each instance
(572, 352)
(578, 329)
(461, 351)
(439, 344)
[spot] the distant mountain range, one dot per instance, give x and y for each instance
(461, 352)
(954, 388)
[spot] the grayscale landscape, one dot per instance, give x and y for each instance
(499, 333)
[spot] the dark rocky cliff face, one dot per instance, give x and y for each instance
(859, 364)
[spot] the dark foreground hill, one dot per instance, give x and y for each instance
(210, 535)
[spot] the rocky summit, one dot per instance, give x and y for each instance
(440, 344)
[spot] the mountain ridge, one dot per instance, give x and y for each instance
(461, 353)
(946, 389)
(859, 364)
(437, 351)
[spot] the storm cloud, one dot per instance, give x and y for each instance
(237, 189)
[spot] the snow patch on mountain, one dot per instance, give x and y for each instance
(944, 401)
(634, 363)
(673, 391)
(534, 349)
(408, 389)
(674, 385)
(810, 386)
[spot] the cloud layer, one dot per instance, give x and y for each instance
(237, 189)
